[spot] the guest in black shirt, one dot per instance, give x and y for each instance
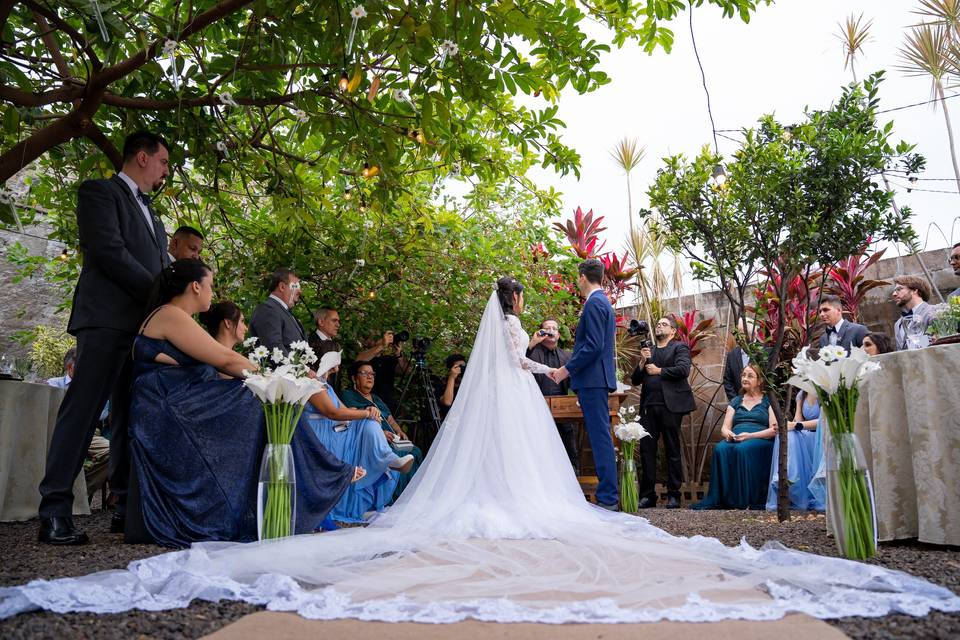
(544, 349)
(324, 339)
(665, 398)
(447, 389)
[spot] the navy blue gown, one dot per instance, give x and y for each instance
(196, 442)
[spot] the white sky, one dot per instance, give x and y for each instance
(788, 57)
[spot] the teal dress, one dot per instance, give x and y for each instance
(353, 399)
(740, 471)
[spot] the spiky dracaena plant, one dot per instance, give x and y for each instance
(649, 249)
(927, 52)
(853, 34)
(628, 155)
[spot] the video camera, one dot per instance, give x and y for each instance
(420, 347)
(401, 336)
(640, 329)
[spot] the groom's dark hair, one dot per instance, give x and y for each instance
(592, 270)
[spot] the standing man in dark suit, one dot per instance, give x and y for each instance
(273, 322)
(124, 247)
(324, 339)
(839, 331)
(592, 376)
(665, 398)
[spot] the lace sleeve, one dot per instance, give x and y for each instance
(517, 346)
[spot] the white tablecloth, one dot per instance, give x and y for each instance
(908, 422)
(28, 413)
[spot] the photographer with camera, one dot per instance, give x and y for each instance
(385, 355)
(456, 364)
(544, 348)
(665, 398)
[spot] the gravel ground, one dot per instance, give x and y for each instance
(24, 559)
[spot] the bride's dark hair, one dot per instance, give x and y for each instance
(506, 287)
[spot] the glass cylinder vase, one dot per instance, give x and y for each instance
(851, 511)
(276, 493)
(629, 485)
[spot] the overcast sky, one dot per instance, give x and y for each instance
(788, 57)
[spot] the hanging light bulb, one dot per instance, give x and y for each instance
(419, 137)
(344, 81)
(912, 179)
(370, 171)
(64, 255)
(372, 295)
(719, 175)
(347, 195)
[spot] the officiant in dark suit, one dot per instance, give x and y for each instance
(665, 397)
(273, 322)
(124, 247)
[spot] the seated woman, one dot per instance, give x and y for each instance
(197, 440)
(354, 435)
(802, 440)
(740, 471)
(362, 396)
(876, 343)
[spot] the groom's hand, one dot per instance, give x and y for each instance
(559, 375)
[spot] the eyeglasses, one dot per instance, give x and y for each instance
(295, 286)
(368, 374)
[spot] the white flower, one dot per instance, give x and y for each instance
(400, 95)
(298, 389)
(299, 345)
(361, 262)
(6, 197)
(222, 147)
(170, 47)
(832, 353)
(299, 115)
(265, 387)
(260, 353)
(630, 431)
(368, 224)
(249, 342)
(358, 12)
(277, 355)
(226, 99)
(450, 48)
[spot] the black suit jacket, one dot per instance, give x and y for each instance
(275, 327)
(121, 257)
(732, 372)
(674, 362)
(321, 347)
(851, 334)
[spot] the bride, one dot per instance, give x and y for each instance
(494, 527)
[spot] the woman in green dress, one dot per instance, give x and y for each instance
(740, 470)
(361, 396)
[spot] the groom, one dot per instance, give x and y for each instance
(593, 377)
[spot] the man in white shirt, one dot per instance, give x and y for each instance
(911, 294)
(839, 331)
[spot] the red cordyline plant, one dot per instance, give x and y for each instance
(690, 332)
(583, 233)
(617, 274)
(847, 280)
(800, 310)
(538, 252)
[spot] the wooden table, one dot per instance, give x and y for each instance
(566, 409)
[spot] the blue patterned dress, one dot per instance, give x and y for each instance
(740, 471)
(801, 462)
(361, 444)
(196, 444)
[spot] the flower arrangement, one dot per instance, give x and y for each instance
(946, 321)
(629, 432)
(835, 379)
(283, 386)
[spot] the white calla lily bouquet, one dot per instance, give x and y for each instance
(629, 432)
(835, 380)
(283, 385)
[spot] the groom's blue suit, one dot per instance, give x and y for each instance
(592, 376)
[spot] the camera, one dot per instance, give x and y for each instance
(640, 329)
(420, 347)
(401, 336)
(543, 333)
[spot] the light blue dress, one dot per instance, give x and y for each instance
(802, 449)
(818, 483)
(361, 444)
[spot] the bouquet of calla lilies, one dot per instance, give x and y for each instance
(629, 432)
(835, 380)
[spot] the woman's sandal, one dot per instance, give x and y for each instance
(358, 474)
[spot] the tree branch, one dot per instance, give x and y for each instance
(64, 26)
(95, 135)
(137, 60)
(152, 104)
(23, 98)
(46, 34)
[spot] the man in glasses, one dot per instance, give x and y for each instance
(955, 265)
(665, 397)
(273, 322)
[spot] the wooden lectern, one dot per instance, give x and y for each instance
(566, 409)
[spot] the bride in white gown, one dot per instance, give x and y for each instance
(495, 527)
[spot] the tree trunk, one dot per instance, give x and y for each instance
(953, 150)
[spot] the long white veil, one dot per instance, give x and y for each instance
(494, 527)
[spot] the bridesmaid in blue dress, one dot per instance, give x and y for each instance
(740, 471)
(354, 435)
(196, 438)
(802, 441)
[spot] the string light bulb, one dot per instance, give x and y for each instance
(347, 195)
(344, 82)
(370, 170)
(64, 255)
(719, 175)
(372, 295)
(912, 179)
(419, 137)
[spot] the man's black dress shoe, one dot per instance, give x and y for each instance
(60, 531)
(118, 523)
(609, 507)
(646, 503)
(673, 503)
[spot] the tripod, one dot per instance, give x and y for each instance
(421, 373)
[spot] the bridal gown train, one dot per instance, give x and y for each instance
(495, 527)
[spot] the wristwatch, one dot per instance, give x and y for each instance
(798, 426)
